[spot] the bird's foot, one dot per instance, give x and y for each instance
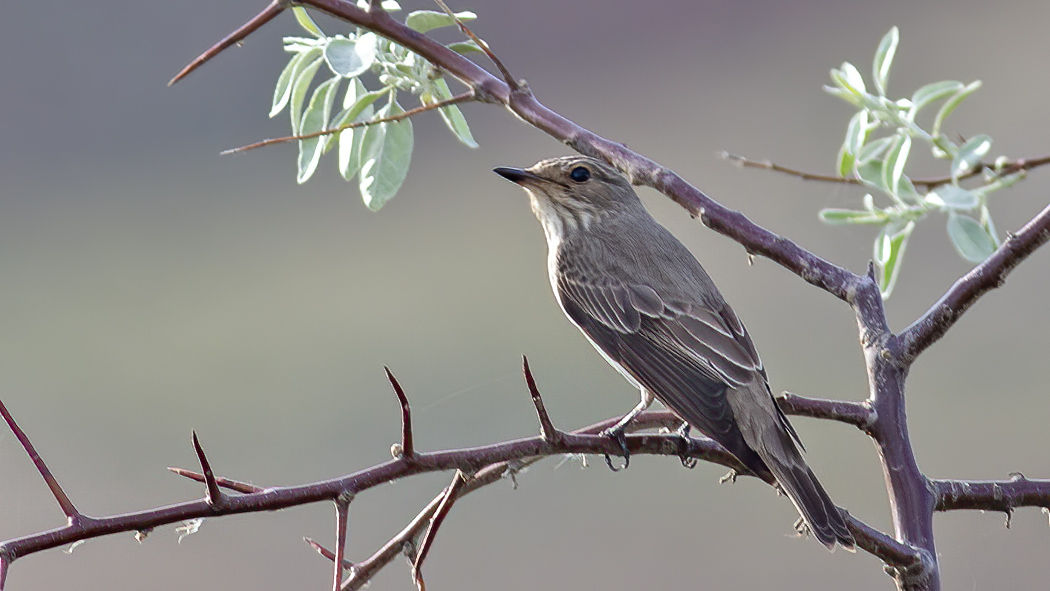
(730, 477)
(617, 435)
(683, 447)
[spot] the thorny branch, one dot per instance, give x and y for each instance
(909, 554)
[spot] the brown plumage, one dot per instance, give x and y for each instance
(651, 310)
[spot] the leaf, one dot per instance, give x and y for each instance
(299, 87)
(952, 197)
(856, 133)
(451, 114)
(970, 153)
(969, 237)
(870, 174)
(386, 152)
(934, 92)
(950, 104)
(893, 169)
(306, 22)
(351, 58)
(428, 20)
(283, 91)
(359, 109)
(315, 119)
(874, 149)
(880, 70)
(463, 47)
(849, 78)
(889, 253)
(989, 225)
(837, 217)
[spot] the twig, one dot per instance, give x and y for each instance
(858, 414)
(447, 500)
(929, 184)
(407, 447)
(967, 290)
(214, 494)
(234, 485)
(547, 428)
(459, 98)
(268, 14)
(52, 483)
(507, 77)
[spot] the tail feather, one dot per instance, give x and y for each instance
(824, 520)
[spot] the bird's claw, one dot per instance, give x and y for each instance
(683, 447)
(617, 435)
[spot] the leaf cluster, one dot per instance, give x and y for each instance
(376, 154)
(878, 143)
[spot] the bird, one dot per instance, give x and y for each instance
(651, 310)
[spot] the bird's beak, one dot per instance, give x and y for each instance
(519, 176)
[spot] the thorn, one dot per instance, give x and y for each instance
(4, 564)
(234, 485)
(214, 495)
(276, 7)
(325, 552)
(547, 430)
(407, 449)
(342, 512)
(52, 483)
(1009, 516)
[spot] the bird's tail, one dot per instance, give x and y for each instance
(824, 520)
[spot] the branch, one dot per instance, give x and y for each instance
(448, 498)
(984, 277)
(837, 280)
(991, 495)
(459, 98)
(858, 414)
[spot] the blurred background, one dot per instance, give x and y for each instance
(151, 287)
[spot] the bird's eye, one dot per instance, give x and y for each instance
(580, 174)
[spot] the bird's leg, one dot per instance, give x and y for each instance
(616, 432)
(683, 446)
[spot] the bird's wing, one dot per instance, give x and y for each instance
(685, 353)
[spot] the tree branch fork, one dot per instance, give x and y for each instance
(909, 553)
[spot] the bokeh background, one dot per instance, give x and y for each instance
(150, 286)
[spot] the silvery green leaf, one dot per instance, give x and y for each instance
(299, 87)
(896, 158)
(856, 133)
(306, 22)
(880, 70)
(950, 104)
(934, 92)
(351, 58)
(283, 91)
(387, 5)
(428, 20)
(970, 153)
(869, 202)
(451, 114)
(889, 252)
(386, 152)
(870, 174)
(907, 191)
(850, 216)
(463, 47)
(315, 119)
(952, 197)
(852, 77)
(874, 149)
(360, 109)
(989, 225)
(969, 237)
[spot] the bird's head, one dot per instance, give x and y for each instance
(571, 193)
